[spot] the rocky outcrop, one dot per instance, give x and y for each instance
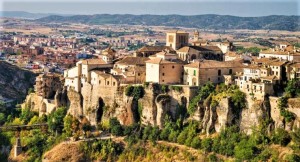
(224, 115)
(75, 105)
(163, 104)
(14, 81)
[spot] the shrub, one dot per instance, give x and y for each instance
(115, 127)
(206, 144)
(196, 143)
(129, 90)
(212, 157)
(56, 119)
(292, 158)
(281, 137)
(164, 88)
(244, 150)
(176, 88)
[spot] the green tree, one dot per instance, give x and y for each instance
(244, 150)
(2, 118)
(115, 127)
(281, 137)
(26, 115)
(206, 144)
(56, 120)
(196, 143)
(293, 88)
(68, 125)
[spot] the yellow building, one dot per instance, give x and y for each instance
(177, 39)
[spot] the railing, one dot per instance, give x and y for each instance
(22, 127)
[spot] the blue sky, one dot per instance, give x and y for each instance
(158, 7)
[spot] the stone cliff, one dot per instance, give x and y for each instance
(14, 81)
(99, 104)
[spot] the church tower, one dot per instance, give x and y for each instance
(196, 36)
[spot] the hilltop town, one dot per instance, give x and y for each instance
(138, 81)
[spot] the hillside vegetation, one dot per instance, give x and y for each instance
(221, 22)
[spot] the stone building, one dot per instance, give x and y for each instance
(256, 81)
(147, 51)
(132, 69)
(47, 85)
(197, 41)
(177, 39)
(200, 72)
(76, 76)
(293, 71)
(276, 66)
(108, 55)
(190, 53)
(283, 52)
(163, 71)
(104, 79)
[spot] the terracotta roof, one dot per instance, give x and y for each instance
(93, 61)
(271, 77)
(165, 53)
(231, 54)
(154, 48)
(277, 63)
(184, 49)
(200, 48)
(133, 60)
(177, 31)
(295, 65)
(161, 61)
(102, 74)
(269, 61)
(215, 64)
(109, 50)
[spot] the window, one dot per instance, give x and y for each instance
(194, 72)
(163, 74)
(173, 67)
(163, 80)
(114, 83)
(163, 66)
(208, 79)
(230, 71)
(139, 74)
(219, 72)
(107, 82)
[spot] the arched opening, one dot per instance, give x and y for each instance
(193, 57)
(99, 111)
(194, 81)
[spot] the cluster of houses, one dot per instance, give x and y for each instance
(194, 64)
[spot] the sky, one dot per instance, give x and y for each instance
(245, 8)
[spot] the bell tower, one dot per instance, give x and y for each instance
(196, 35)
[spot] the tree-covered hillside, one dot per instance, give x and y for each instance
(222, 22)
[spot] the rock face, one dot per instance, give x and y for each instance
(163, 105)
(14, 81)
(46, 106)
(98, 104)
